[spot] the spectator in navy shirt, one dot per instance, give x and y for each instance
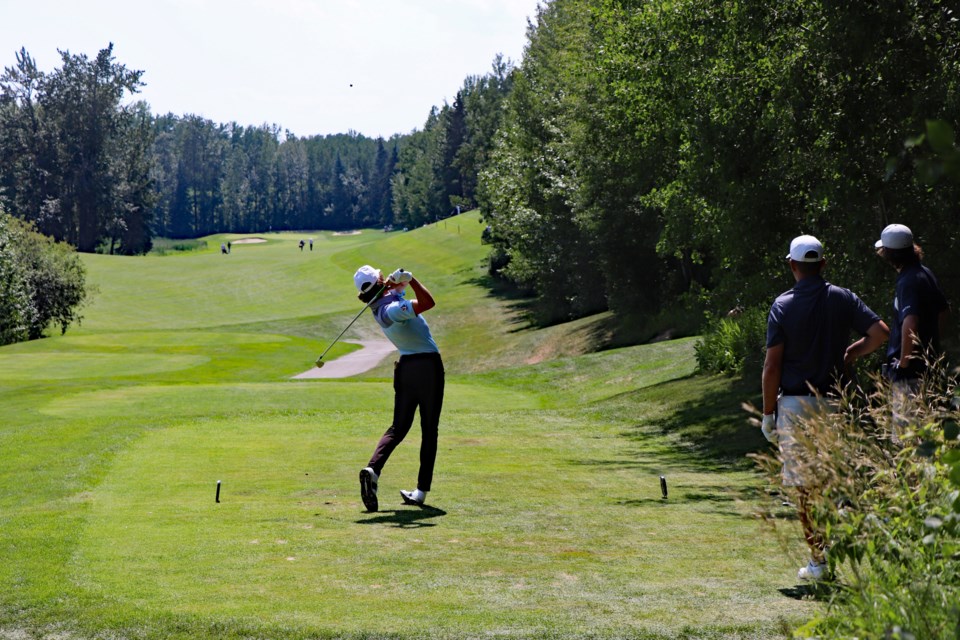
(808, 349)
(919, 313)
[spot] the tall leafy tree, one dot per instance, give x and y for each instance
(529, 191)
(72, 152)
(15, 308)
(693, 139)
(418, 193)
(453, 137)
(380, 195)
(484, 98)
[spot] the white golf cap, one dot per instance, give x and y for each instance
(365, 277)
(805, 249)
(895, 236)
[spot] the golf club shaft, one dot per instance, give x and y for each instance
(351, 322)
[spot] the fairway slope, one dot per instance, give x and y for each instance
(546, 518)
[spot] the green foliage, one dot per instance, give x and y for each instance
(73, 158)
(890, 507)
(42, 282)
(216, 178)
(529, 192)
(15, 310)
(437, 167)
(418, 191)
(691, 140)
(734, 344)
(933, 154)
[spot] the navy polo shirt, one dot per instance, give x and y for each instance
(814, 321)
(918, 293)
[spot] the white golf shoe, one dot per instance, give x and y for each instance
(415, 497)
(814, 571)
(368, 488)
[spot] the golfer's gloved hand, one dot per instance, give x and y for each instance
(769, 428)
(400, 276)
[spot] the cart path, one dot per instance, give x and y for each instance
(370, 354)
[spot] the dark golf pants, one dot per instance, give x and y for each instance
(417, 382)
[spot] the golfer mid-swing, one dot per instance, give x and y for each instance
(417, 377)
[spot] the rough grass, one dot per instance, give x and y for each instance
(547, 518)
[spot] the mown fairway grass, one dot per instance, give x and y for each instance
(547, 518)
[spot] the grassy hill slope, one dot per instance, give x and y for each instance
(547, 518)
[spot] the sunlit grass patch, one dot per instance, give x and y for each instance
(548, 519)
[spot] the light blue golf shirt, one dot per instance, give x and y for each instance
(403, 327)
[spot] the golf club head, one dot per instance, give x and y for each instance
(320, 362)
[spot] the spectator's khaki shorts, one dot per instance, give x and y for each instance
(789, 411)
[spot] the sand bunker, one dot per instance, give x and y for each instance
(346, 233)
(372, 353)
(248, 240)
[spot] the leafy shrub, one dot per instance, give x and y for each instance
(15, 310)
(890, 507)
(42, 282)
(734, 344)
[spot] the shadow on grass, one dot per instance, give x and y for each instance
(406, 518)
(814, 591)
(700, 427)
(705, 413)
(604, 329)
(725, 507)
(522, 304)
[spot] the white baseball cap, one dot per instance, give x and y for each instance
(805, 249)
(895, 236)
(365, 277)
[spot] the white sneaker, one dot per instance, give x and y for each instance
(368, 488)
(814, 571)
(415, 497)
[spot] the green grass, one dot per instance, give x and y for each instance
(547, 518)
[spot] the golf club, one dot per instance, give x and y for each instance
(319, 361)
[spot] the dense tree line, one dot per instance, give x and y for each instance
(641, 155)
(211, 178)
(90, 168)
(655, 153)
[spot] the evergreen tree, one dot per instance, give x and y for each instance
(380, 194)
(68, 146)
(453, 136)
(337, 211)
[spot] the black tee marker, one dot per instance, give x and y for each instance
(218, 491)
(663, 485)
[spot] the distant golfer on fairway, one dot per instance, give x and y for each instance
(418, 377)
(808, 331)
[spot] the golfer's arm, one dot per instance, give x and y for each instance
(424, 301)
(772, 370)
(877, 335)
(909, 333)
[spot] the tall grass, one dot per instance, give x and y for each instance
(890, 507)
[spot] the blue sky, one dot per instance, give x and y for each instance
(284, 62)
